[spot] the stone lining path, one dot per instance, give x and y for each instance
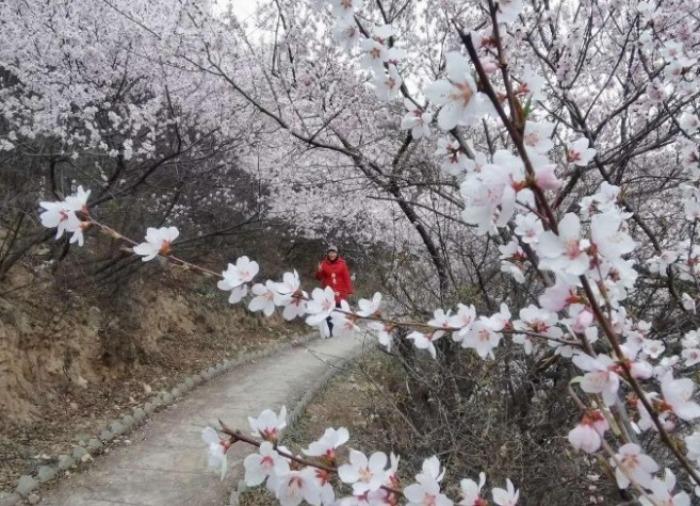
(166, 463)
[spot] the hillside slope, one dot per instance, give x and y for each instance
(70, 361)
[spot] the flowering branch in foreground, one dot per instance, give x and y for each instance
(373, 480)
(482, 334)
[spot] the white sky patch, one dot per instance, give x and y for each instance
(243, 9)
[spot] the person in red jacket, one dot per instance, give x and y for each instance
(333, 272)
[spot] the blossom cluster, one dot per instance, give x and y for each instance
(312, 476)
(63, 215)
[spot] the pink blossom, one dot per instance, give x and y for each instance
(382, 332)
(344, 322)
(387, 84)
(678, 393)
(440, 320)
(538, 321)
(691, 356)
(645, 421)
(236, 276)
(60, 216)
(565, 253)
(602, 377)
(588, 434)
(582, 321)
(579, 153)
(662, 492)
(546, 178)
(558, 296)
(632, 465)
(608, 236)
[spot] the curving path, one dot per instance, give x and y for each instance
(166, 463)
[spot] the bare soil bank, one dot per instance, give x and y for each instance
(70, 362)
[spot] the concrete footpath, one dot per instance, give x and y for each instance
(166, 463)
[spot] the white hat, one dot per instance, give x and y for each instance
(331, 247)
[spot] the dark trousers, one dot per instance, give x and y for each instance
(330, 322)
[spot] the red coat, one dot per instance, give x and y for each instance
(336, 275)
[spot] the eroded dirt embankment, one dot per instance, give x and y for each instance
(69, 362)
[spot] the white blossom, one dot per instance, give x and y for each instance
(426, 491)
(602, 376)
(506, 497)
(158, 241)
(461, 102)
(264, 299)
(633, 465)
(588, 434)
(320, 306)
(365, 475)
(368, 307)
(565, 253)
(417, 120)
(297, 486)
(268, 425)
(662, 492)
(217, 451)
(425, 341)
(258, 466)
(471, 491)
(678, 393)
(579, 153)
(329, 442)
